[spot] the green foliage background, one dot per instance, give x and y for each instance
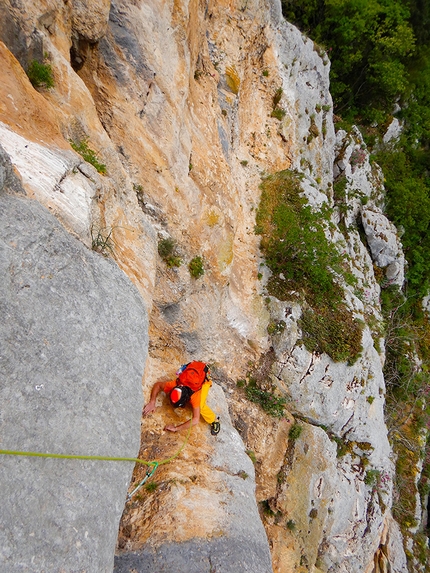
(380, 69)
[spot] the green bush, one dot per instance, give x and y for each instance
(40, 75)
(271, 404)
(408, 206)
(372, 477)
(277, 97)
(370, 43)
(167, 251)
(295, 432)
(196, 267)
(88, 155)
(332, 331)
(301, 258)
(278, 113)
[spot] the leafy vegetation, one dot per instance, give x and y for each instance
(380, 63)
(295, 432)
(88, 155)
(408, 206)
(271, 404)
(302, 259)
(406, 371)
(40, 75)
(370, 43)
(196, 267)
(167, 250)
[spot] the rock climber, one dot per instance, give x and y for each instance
(191, 386)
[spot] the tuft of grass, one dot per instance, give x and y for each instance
(278, 113)
(40, 75)
(196, 268)
(295, 432)
(267, 510)
(276, 327)
(88, 155)
(277, 97)
(151, 486)
(167, 251)
(333, 332)
(232, 79)
(271, 404)
(101, 241)
(372, 477)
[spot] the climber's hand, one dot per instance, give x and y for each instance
(171, 428)
(149, 408)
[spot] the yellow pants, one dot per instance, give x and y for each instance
(206, 413)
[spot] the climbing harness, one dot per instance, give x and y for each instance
(153, 465)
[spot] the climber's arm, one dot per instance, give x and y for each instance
(193, 421)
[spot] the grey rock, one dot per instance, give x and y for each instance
(9, 181)
(24, 44)
(223, 139)
(73, 345)
(198, 556)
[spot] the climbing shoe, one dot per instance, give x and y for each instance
(215, 427)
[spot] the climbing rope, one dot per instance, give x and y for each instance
(153, 464)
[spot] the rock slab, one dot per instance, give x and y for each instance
(73, 345)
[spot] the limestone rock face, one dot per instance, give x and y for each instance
(74, 341)
(186, 105)
(364, 195)
(208, 501)
(90, 20)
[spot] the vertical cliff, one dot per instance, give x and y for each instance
(181, 109)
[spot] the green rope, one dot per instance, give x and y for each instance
(102, 458)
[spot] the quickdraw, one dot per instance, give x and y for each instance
(148, 474)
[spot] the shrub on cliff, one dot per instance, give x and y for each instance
(88, 155)
(303, 260)
(167, 250)
(40, 75)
